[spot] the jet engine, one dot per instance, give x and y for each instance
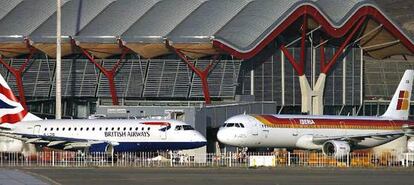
(102, 147)
(337, 149)
(15, 146)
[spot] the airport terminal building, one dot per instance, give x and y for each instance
(203, 61)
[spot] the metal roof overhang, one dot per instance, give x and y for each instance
(76, 14)
(13, 45)
(20, 21)
(196, 49)
(147, 35)
(147, 46)
(390, 40)
(100, 36)
(99, 46)
(196, 41)
(200, 28)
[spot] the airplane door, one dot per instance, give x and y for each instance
(163, 135)
(295, 131)
(265, 134)
(36, 130)
(255, 130)
(163, 132)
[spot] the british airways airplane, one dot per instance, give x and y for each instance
(97, 135)
(334, 135)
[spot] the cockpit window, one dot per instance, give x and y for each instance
(184, 127)
(238, 125)
(178, 127)
(188, 127)
(165, 128)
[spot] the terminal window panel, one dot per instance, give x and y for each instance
(268, 78)
(381, 77)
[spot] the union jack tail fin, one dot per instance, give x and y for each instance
(399, 107)
(11, 111)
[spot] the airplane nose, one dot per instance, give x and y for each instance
(223, 136)
(199, 137)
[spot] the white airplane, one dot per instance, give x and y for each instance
(334, 135)
(97, 135)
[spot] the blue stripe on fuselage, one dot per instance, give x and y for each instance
(147, 146)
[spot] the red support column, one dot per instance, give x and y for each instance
(109, 74)
(202, 74)
(303, 43)
(17, 73)
(327, 66)
(298, 67)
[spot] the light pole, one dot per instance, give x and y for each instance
(58, 111)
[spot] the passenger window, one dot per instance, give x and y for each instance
(148, 128)
(81, 128)
(124, 128)
(130, 128)
(51, 129)
(75, 129)
(142, 128)
(188, 127)
(57, 129)
(119, 128)
(45, 129)
(93, 128)
(136, 128)
(106, 129)
(100, 128)
(69, 128)
(87, 128)
(63, 129)
(112, 128)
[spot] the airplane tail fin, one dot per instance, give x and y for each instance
(399, 106)
(11, 110)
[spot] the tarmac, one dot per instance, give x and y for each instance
(208, 176)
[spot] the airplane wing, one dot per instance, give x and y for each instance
(49, 141)
(356, 138)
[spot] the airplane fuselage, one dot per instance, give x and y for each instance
(299, 131)
(124, 135)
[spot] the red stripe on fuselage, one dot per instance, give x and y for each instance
(156, 123)
(340, 123)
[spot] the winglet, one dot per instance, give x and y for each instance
(399, 107)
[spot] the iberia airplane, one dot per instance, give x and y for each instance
(96, 135)
(334, 135)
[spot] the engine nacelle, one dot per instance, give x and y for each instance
(15, 146)
(410, 145)
(102, 147)
(337, 149)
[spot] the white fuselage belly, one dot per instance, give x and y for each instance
(288, 137)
